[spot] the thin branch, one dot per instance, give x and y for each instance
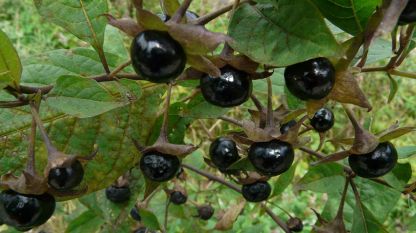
(51, 149)
(275, 218)
(177, 17)
(231, 120)
(257, 102)
(403, 74)
(215, 14)
(163, 136)
(269, 113)
(13, 103)
(30, 166)
(118, 69)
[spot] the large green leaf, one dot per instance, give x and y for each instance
(289, 32)
(349, 15)
(365, 222)
(326, 178)
(83, 18)
(112, 132)
(81, 97)
(10, 66)
(284, 180)
(198, 107)
(406, 151)
(86, 222)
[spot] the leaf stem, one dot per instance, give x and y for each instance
(30, 166)
(177, 17)
(231, 120)
(269, 113)
(215, 14)
(118, 69)
(163, 136)
(49, 146)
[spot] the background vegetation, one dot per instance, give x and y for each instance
(31, 35)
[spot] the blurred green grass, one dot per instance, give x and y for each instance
(31, 35)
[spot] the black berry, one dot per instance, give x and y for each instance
(157, 57)
(376, 163)
(178, 198)
(323, 120)
(408, 15)
(312, 79)
(66, 178)
(223, 152)
(271, 158)
(256, 192)
(295, 224)
(284, 128)
(205, 212)
(134, 214)
(117, 194)
(231, 89)
(159, 167)
(25, 211)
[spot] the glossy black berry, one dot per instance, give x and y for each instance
(256, 192)
(134, 214)
(323, 120)
(25, 211)
(408, 15)
(178, 198)
(66, 178)
(157, 57)
(117, 194)
(312, 79)
(271, 158)
(295, 224)
(231, 89)
(159, 167)
(205, 212)
(223, 152)
(284, 128)
(376, 163)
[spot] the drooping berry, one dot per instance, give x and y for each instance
(134, 214)
(271, 158)
(323, 120)
(408, 15)
(284, 128)
(157, 57)
(159, 167)
(312, 79)
(25, 211)
(223, 152)
(178, 198)
(231, 89)
(257, 191)
(377, 163)
(205, 212)
(66, 178)
(295, 224)
(118, 194)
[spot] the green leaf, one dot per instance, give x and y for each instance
(284, 180)
(83, 18)
(399, 176)
(293, 102)
(290, 32)
(326, 178)
(177, 124)
(242, 164)
(81, 97)
(10, 66)
(393, 88)
(149, 219)
(112, 132)
(86, 222)
(406, 151)
(365, 222)
(199, 108)
(350, 15)
(278, 83)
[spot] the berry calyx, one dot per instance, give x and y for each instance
(271, 158)
(134, 214)
(117, 194)
(178, 198)
(25, 211)
(408, 15)
(312, 79)
(205, 212)
(157, 57)
(231, 89)
(159, 167)
(66, 178)
(377, 163)
(284, 128)
(295, 224)
(323, 120)
(223, 152)
(256, 192)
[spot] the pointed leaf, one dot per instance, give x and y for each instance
(149, 219)
(10, 66)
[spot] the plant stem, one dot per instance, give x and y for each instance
(231, 120)
(402, 74)
(165, 224)
(237, 189)
(269, 113)
(177, 17)
(118, 69)
(257, 102)
(51, 149)
(163, 136)
(215, 14)
(30, 166)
